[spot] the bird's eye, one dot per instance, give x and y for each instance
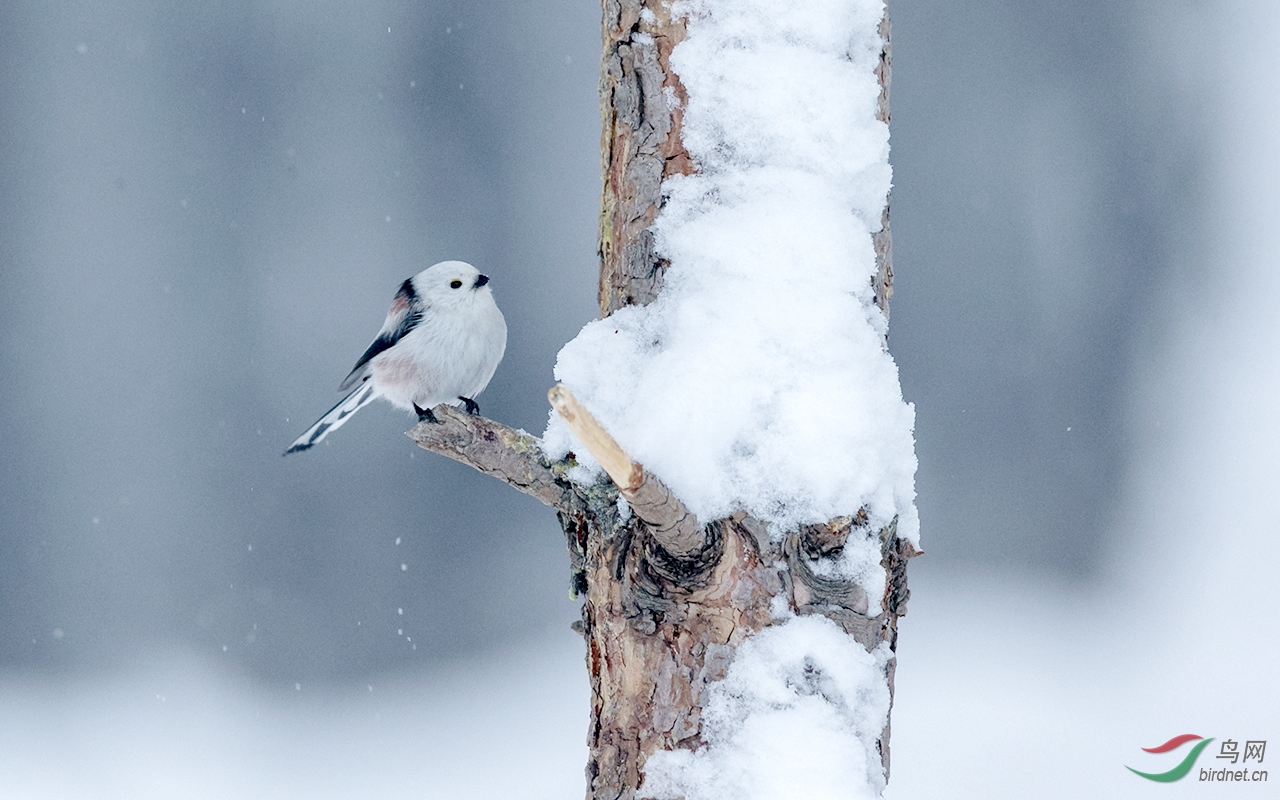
(456, 284)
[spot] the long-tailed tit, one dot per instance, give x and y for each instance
(441, 342)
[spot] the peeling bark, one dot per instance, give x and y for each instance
(641, 106)
(658, 632)
(883, 240)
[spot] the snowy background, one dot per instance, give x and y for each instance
(204, 212)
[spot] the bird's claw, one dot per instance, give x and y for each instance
(426, 415)
(473, 408)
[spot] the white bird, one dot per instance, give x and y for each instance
(441, 342)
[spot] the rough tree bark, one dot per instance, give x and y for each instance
(667, 598)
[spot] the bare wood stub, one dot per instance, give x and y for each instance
(625, 473)
(673, 526)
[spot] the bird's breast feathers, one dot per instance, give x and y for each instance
(444, 357)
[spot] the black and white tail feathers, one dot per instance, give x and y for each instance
(334, 419)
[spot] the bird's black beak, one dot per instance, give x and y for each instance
(480, 281)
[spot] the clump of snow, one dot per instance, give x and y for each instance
(758, 380)
(797, 715)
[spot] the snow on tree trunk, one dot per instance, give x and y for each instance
(731, 458)
(662, 631)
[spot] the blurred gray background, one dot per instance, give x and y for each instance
(204, 212)
(1047, 171)
(206, 209)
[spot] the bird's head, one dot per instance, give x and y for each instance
(451, 284)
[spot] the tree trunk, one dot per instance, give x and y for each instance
(660, 628)
(667, 599)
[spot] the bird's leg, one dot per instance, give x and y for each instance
(473, 408)
(425, 415)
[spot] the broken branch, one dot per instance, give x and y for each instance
(507, 454)
(674, 527)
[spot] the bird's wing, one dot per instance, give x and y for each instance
(405, 314)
